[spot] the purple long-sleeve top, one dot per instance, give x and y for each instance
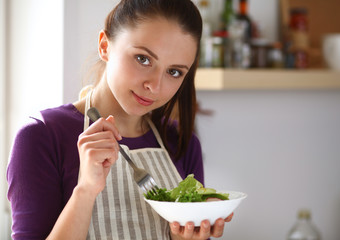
(44, 165)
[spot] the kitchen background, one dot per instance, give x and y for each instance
(280, 146)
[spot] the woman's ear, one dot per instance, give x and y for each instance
(103, 46)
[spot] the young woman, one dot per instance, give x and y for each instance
(66, 177)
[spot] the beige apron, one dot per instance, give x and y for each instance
(120, 211)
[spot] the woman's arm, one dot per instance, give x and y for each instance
(98, 150)
(35, 181)
(74, 221)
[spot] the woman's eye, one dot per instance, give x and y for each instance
(143, 60)
(174, 73)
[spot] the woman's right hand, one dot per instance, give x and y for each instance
(98, 150)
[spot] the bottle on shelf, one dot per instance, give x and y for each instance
(243, 16)
(303, 229)
(298, 45)
(206, 45)
(228, 14)
(236, 30)
(241, 49)
(203, 6)
(227, 18)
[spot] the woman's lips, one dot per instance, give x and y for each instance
(143, 100)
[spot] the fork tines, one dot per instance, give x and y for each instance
(148, 185)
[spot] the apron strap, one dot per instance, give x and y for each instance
(87, 107)
(160, 142)
(155, 131)
(86, 118)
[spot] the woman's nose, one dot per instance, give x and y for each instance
(154, 81)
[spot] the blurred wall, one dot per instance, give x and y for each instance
(4, 211)
(33, 53)
(83, 21)
(280, 147)
(34, 58)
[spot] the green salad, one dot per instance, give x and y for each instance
(188, 190)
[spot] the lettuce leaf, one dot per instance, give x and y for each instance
(188, 190)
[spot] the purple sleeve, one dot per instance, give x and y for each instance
(34, 183)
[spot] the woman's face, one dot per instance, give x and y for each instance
(147, 64)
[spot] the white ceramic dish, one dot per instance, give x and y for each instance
(197, 211)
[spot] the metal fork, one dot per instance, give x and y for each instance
(141, 177)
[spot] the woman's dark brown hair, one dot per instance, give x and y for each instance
(130, 13)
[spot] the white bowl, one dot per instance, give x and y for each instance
(197, 211)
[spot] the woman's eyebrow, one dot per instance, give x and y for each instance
(149, 51)
(180, 66)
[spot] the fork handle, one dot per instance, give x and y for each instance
(94, 115)
(127, 158)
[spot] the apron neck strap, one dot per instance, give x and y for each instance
(155, 131)
(87, 107)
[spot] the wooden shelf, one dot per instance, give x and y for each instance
(233, 79)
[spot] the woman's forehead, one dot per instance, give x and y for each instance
(158, 22)
(160, 35)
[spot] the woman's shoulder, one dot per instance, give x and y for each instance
(56, 121)
(61, 113)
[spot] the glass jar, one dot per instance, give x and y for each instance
(259, 53)
(217, 51)
(298, 19)
(299, 36)
(275, 56)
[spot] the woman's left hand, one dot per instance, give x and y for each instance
(189, 231)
